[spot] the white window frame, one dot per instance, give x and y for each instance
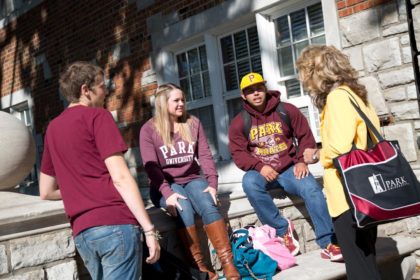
(235, 93)
(202, 102)
(266, 32)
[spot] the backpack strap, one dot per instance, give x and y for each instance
(247, 123)
(284, 116)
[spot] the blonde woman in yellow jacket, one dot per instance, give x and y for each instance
(327, 75)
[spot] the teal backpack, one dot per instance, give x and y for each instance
(250, 263)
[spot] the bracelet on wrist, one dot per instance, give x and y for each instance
(151, 229)
(155, 234)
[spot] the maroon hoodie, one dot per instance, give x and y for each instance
(180, 164)
(270, 140)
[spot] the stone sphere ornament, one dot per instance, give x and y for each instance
(17, 151)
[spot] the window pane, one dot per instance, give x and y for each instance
(241, 46)
(319, 40)
(234, 107)
(316, 20)
(254, 46)
(185, 85)
(256, 64)
(197, 88)
(206, 82)
(299, 47)
(240, 62)
(298, 22)
(205, 115)
(283, 34)
(230, 77)
(286, 61)
(305, 112)
(192, 65)
(182, 65)
(203, 58)
(227, 49)
(293, 88)
(193, 61)
(243, 68)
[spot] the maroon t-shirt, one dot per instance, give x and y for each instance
(76, 144)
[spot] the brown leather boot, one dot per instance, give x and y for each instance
(217, 234)
(191, 241)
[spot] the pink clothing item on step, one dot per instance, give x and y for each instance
(264, 238)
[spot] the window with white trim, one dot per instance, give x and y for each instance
(295, 31)
(240, 53)
(193, 74)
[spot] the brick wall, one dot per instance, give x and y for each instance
(348, 7)
(67, 31)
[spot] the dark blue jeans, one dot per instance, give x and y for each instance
(198, 202)
(111, 252)
(256, 188)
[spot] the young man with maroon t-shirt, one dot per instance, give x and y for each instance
(83, 164)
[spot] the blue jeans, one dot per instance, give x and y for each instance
(256, 188)
(198, 202)
(111, 252)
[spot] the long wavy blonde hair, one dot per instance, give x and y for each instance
(323, 67)
(162, 120)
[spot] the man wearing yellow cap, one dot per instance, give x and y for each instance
(261, 141)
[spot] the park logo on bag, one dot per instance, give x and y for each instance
(379, 185)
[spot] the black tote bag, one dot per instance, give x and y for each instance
(379, 183)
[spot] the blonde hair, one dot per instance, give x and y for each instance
(323, 67)
(161, 117)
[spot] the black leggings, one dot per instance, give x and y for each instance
(358, 248)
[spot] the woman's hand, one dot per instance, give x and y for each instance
(172, 203)
(213, 192)
(311, 155)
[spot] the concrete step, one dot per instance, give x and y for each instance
(392, 258)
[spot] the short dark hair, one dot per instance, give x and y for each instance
(77, 74)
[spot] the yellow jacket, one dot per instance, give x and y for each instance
(341, 125)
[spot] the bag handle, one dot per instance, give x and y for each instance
(241, 240)
(368, 123)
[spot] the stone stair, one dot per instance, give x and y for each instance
(394, 256)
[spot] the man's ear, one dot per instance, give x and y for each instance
(84, 91)
(243, 96)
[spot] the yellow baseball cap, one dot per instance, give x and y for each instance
(251, 79)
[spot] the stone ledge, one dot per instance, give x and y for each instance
(311, 266)
(22, 214)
